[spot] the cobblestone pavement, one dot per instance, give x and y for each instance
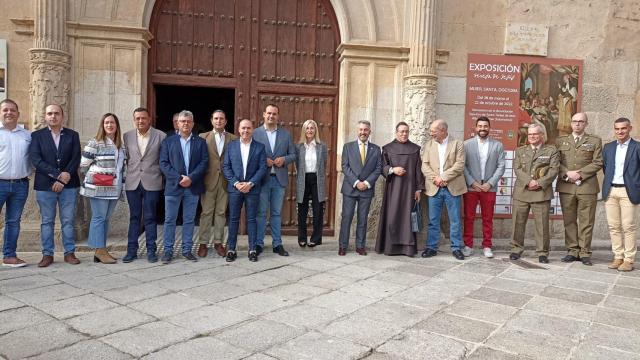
(317, 305)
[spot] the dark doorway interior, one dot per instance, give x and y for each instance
(201, 101)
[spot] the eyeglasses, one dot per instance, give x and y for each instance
(578, 121)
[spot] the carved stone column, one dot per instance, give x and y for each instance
(420, 80)
(50, 61)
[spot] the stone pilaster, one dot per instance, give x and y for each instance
(50, 61)
(420, 79)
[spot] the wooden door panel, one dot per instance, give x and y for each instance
(306, 44)
(164, 45)
(184, 35)
(224, 37)
(326, 45)
(203, 38)
(286, 40)
(267, 23)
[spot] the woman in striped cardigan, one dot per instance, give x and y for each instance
(103, 161)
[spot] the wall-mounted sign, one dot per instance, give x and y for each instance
(515, 91)
(526, 39)
(3, 69)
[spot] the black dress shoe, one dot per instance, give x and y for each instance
(166, 257)
(231, 256)
(189, 256)
(458, 254)
(129, 258)
(586, 261)
(569, 258)
(514, 256)
(427, 253)
(280, 250)
(259, 249)
(543, 259)
(253, 256)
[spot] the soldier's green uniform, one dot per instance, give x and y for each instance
(579, 201)
(541, 165)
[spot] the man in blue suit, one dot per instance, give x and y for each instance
(184, 160)
(244, 167)
(361, 166)
(621, 191)
(55, 153)
(280, 153)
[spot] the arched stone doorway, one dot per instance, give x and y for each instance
(265, 51)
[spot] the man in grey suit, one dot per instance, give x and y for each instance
(361, 167)
(143, 182)
(280, 153)
(483, 168)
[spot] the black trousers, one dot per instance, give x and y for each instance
(310, 193)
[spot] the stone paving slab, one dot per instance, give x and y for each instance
(315, 305)
(143, 339)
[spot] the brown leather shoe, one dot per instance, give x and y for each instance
(46, 261)
(615, 263)
(361, 251)
(71, 258)
(13, 261)
(342, 252)
(202, 250)
(626, 266)
(220, 250)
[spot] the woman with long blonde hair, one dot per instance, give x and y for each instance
(311, 168)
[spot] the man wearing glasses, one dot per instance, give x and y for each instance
(536, 166)
(580, 161)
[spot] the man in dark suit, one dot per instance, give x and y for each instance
(361, 166)
(244, 167)
(184, 159)
(280, 153)
(176, 128)
(621, 192)
(55, 153)
(143, 182)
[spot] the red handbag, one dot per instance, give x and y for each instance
(103, 179)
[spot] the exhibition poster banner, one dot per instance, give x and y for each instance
(515, 91)
(3, 69)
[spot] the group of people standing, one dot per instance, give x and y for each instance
(453, 173)
(222, 170)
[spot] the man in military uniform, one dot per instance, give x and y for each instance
(580, 160)
(535, 166)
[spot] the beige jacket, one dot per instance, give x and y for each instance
(453, 167)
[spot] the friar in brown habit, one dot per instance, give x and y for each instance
(401, 168)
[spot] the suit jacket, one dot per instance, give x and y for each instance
(453, 167)
(173, 167)
(145, 167)
(256, 166)
(353, 170)
(214, 173)
(50, 162)
(586, 157)
(284, 147)
(631, 172)
(541, 166)
(493, 169)
(321, 173)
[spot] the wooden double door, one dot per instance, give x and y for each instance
(280, 52)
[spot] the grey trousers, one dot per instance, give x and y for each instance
(348, 209)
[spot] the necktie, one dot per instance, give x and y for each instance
(362, 153)
(577, 140)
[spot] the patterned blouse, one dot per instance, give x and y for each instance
(102, 157)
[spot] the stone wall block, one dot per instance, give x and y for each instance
(452, 90)
(623, 75)
(626, 107)
(598, 97)
(453, 115)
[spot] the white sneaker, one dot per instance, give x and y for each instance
(487, 252)
(467, 251)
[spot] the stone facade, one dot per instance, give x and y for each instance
(400, 60)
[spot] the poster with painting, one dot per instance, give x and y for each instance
(3, 69)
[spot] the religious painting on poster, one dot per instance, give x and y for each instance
(3, 69)
(515, 91)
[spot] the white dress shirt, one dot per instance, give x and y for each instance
(244, 153)
(143, 140)
(14, 153)
(366, 148)
(621, 154)
(442, 152)
(483, 152)
(56, 137)
(310, 157)
(219, 137)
